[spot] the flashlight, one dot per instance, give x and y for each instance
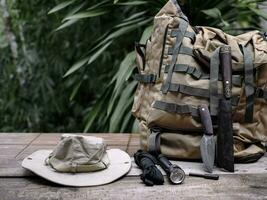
(175, 173)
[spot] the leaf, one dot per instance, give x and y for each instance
(87, 14)
(125, 101)
(132, 3)
(146, 34)
(66, 24)
(61, 6)
(261, 13)
(98, 53)
(76, 66)
(213, 12)
(75, 90)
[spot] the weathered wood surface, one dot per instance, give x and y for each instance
(16, 183)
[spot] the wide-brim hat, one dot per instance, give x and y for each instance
(96, 165)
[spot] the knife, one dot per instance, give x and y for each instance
(225, 151)
(207, 143)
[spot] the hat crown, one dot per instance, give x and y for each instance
(77, 153)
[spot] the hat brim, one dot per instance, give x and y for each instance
(120, 164)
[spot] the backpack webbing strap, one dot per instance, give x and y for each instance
(214, 77)
(249, 83)
(154, 142)
(145, 78)
(198, 92)
(197, 74)
(187, 34)
(179, 38)
(183, 50)
(261, 93)
(176, 108)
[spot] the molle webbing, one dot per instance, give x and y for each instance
(249, 83)
(198, 92)
(198, 74)
(183, 50)
(179, 38)
(187, 34)
(176, 108)
(145, 78)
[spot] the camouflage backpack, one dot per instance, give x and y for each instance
(179, 71)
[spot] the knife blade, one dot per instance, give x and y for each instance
(225, 151)
(207, 143)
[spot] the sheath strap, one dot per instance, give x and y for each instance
(249, 83)
(214, 76)
(154, 142)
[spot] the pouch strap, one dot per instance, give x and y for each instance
(249, 83)
(154, 142)
(145, 78)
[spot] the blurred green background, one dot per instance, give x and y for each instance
(66, 66)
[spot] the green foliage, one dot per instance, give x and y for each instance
(76, 59)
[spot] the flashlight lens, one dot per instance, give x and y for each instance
(177, 176)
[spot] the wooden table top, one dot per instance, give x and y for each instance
(249, 182)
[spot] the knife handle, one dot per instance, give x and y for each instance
(206, 119)
(226, 66)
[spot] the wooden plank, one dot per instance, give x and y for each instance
(17, 138)
(134, 144)
(10, 151)
(228, 187)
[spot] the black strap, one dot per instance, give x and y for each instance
(188, 34)
(179, 38)
(198, 74)
(154, 142)
(249, 83)
(139, 50)
(176, 108)
(145, 78)
(183, 50)
(214, 77)
(198, 92)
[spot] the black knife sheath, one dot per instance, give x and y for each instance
(225, 151)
